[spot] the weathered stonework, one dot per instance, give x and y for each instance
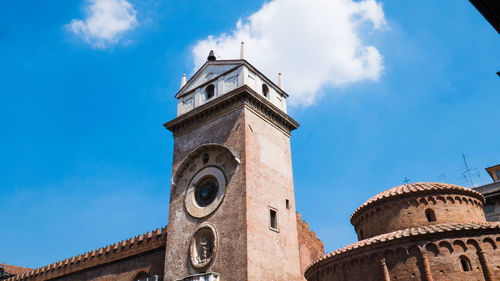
(189, 149)
(272, 255)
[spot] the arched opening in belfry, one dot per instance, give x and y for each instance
(430, 215)
(465, 263)
(265, 90)
(209, 91)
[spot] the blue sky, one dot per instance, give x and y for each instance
(84, 158)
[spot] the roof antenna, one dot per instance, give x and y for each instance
(211, 56)
(467, 171)
(183, 80)
(280, 81)
(242, 51)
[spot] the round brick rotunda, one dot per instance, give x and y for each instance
(418, 231)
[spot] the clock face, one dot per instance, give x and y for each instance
(206, 191)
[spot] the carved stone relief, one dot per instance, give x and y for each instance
(203, 246)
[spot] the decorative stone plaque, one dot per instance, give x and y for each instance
(203, 246)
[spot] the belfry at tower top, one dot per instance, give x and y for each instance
(219, 77)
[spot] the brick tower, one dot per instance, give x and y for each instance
(232, 209)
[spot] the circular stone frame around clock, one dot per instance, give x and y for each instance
(205, 192)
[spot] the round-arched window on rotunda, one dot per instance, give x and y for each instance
(465, 263)
(430, 215)
(206, 191)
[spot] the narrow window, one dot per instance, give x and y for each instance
(273, 217)
(429, 214)
(287, 203)
(465, 263)
(209, 91)
(265, 90)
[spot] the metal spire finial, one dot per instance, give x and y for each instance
(211, 56)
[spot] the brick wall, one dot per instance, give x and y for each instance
(310, 247)
(410, 212)
(229, 218)
(419, 258)
(272, 255)
(118, 261)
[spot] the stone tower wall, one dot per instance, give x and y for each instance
(243, 122)
(229, 219)
(272, 255)
(409, 211)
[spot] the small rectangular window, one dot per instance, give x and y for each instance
(273, 217)
(287, 203)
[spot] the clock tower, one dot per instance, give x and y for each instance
(232, 209)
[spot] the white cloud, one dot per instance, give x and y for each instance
(314, 43)
(105, 23)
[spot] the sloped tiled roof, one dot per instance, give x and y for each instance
(413, 233)
(14, 270)
(418, 188)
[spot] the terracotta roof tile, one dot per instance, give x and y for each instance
(12, 269)
(417, 231)
(415, 188)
